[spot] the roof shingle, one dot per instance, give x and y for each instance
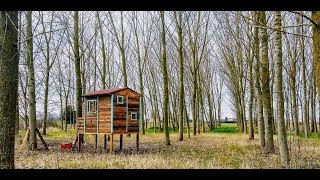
(102, 92)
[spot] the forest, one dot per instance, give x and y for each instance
(219, 89)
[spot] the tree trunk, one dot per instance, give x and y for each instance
(250, 60)
(9, 60)
(283, 145)
(140, 75)
(31, 88)
(104, 57)
(123, 57)
(266, 87)
(77, 65)
(181, 85)
(46, 92)
(316, 47)
(165, 80)
(210, 109)
(187, 117)
(257, 83)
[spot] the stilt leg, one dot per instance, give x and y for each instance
(75, 142)
(79, 142)
(96, 142)
(105, 142)
(121, 137)
(111, 143)
(137, 142)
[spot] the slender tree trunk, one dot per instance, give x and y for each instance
(32, 95)
(268, 115)
(305, 103)
(47, 73)
(219, 106)
(283, 145)
(123, 57)
(104, 57)
(210, 110)
(316, 50)
(316, 47)
(250, 60)
(194, 96)
(198, 105)
(257, 83)
(186, 118)
(95, 56)
(181, 85)
(314, 103)
(202, 113)
(9, 60)
(46, 92)
(140, 75)
(165, 80)
(77, 65)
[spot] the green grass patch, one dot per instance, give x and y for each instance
(315, 135)
(226, 128)
(151, 130)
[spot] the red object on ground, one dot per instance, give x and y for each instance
(66, 146)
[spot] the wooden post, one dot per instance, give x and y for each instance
(41, 138)
(111, 144)
(121, 137)
(79, 142)
(137, 141)
(105, 142)
(75, 142)
(96, 142)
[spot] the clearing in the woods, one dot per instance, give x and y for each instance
(225, 147)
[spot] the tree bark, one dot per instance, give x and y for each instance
(283, 145)
(9, 60)
(104, 57)
(316, 46)
(261, 129)
(77, 65)
(250, 60)
(31, 88)
(178, 21)
(47, 73)
(165, 80)
(268, 115)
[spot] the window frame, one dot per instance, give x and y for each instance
(134, 113)
(94, 105)
(122, 97)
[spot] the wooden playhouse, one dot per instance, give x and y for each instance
(109, 112)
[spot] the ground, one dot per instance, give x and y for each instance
(224, 147)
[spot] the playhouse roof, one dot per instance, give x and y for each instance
(105, 92)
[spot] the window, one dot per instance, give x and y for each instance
(134, 116)
(119, 99)
(91, 106)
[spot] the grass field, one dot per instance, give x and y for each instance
(224, 147)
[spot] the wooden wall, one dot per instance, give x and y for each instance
(120, 113)
(104, 114)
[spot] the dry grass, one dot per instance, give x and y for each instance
(210, 150)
